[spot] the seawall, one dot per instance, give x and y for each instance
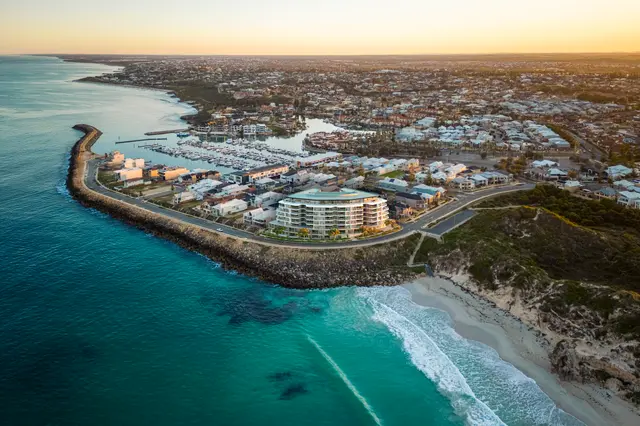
(383, 264)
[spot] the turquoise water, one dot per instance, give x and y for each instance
(101, 324)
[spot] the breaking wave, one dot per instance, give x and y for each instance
(482, 388)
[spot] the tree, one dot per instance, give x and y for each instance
(572, 174)
(411, 177)
(483, 155)
(428, 180)
(334, 233)
(361, 170)
(278, 230)
(303, 233)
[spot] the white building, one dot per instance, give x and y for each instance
(200, 188)
(129, 173)
(347, 210)
(230, 207)
(183, 197)
(259, 216)
(267, 199)
(131, 163)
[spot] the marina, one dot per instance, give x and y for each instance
(239, 154)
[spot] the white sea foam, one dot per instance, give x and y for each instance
(482, 388)
(429, 359)
(346, 381)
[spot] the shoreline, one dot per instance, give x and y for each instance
(378, 264)
(474, 317)
(524, 347)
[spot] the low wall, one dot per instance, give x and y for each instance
(383, 264)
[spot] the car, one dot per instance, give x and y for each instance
(219, 229)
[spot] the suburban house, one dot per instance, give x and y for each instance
(395, 185)
(267, 199)
(183, 197)
(133, 182)
(605, 192)
(479, 180)
(128, 174)
(354, 183)
(431, 190)
(415, 201)
(619, 171)
(544, 164)
(259, 216)
(463, 183)
(172, 173)
(572, 185)
(251, 176)
(555, 174)
(230, 207)
(629, 199)
(400, 210)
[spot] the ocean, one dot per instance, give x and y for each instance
(102, 324)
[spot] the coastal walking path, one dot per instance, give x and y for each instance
(418, 226)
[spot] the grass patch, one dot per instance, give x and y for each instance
(396, 174)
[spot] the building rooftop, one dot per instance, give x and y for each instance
(341, 194)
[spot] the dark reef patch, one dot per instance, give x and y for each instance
(294, 390)
(280, 376)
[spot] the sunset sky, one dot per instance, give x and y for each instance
(318, 27)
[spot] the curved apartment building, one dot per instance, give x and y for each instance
(320, 212)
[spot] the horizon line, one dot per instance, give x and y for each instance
(328, 54)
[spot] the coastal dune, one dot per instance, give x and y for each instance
(382, 264)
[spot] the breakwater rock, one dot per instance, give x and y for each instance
(382, 264)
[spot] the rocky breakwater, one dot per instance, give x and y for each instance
(383, 264)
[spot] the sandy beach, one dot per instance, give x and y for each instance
(522, 346)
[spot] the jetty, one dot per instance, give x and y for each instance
(166, 132)
(142, 140)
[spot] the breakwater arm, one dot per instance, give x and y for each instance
(381, 264)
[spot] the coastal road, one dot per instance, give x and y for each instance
(419, 225)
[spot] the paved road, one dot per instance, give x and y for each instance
(452, 222)
(439, 213)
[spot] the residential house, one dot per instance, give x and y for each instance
(183, 197)
(267, 199)
(172, 173)
(400, 210)
(618, 172)
(415, 201)
(228, 208)
(431, 190)
(605, 192)
(259, 216)
(463, 183)
(132, 182)
(355, 183)
(128, 174)
(395, 185)
(629, 199)
(479, 180)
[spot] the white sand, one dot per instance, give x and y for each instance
(477, 319)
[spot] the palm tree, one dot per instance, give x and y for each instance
(278, 230)
(334, 233)
(303, 233)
